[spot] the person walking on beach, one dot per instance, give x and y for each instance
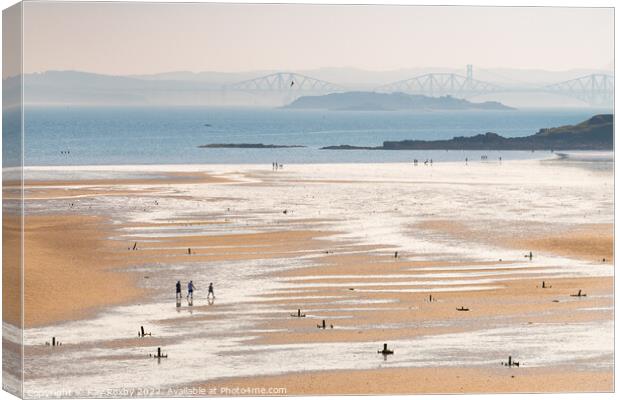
(211, 292)
(179, 289)
(190, 290)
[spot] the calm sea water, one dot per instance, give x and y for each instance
(171, 135)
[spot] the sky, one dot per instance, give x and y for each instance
(147, 38)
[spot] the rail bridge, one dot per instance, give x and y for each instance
(286, 82)
(279, 88)
(594, 90)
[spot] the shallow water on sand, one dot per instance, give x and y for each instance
(362, 204)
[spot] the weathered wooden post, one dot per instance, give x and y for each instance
(509, 361)
(385, 351)
(299, 312)
(54, 341)
(159, 352)
(323, 324)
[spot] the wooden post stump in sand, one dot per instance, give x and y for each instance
(54, 342)
(142, 333)
(511, 363)
(159, 355)
(385, 350)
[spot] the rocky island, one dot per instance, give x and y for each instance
(373, 101)
(595, 133)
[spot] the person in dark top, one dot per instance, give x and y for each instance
(179, 289)
(211, 292)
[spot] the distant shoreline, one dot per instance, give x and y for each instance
(248, 146)
(595, 133)
(139, 170)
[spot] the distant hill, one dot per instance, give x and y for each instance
(83, 88)
(373, 101)
(205, 88)
(597, 133)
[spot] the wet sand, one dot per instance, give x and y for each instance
(593, 242)
(427, 381)
(69, 269)
(91, 267)
(164, 178)
(11, 270)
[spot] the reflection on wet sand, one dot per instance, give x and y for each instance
(331, 257)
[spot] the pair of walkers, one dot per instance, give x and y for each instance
(190, 290)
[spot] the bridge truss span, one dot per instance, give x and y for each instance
(441, 84)
(286, 82)
(595, 89)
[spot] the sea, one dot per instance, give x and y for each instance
(72, 135)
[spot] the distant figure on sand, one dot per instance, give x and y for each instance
(211, 292)
(190, 290)
(178, 289)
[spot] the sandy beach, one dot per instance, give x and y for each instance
(428, 381)
(384, 253)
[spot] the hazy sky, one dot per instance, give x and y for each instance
(140, 38)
